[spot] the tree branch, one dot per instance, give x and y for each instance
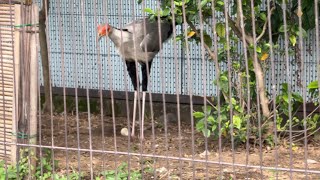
(212, 55)
(237, 30)
(265, 25)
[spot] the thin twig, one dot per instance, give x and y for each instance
(265, 25)
(211, 53)
(308, 135)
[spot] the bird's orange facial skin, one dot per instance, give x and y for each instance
(103, 30)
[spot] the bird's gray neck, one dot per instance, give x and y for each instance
(118, 37)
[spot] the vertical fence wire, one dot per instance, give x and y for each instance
(255, 61)
(189, 76)
(162, 77)
(243, 34)
(129, 125)
(288, 76)
(203, 62)
(273, 88)
(61, 42)
(150, 102)
(100, 86)
(317, 53)
(229, 65)
(178, 90)
(46, 5)
(84, 33)
(317, 49)
(301, 42)
(218, 90)
(75, 61)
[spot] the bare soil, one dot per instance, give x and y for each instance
(109, 150)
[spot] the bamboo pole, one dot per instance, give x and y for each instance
(15, 111)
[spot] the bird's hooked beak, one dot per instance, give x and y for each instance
(99, 36)
(102, 31)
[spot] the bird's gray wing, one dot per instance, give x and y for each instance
(137, 25)
(151, 42)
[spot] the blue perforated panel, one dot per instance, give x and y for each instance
(76, 48)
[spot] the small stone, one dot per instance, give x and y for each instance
(124, 132)
(203, 155)
(161, 170)
(311, 161)
(268, 148)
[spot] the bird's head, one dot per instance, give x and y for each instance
(103, 30)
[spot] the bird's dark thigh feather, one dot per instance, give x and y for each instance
(131, 67)
(145, 74)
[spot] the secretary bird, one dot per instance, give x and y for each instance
(138, 42)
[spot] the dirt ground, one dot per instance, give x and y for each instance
(65, 130)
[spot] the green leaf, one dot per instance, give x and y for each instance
(198, 115)
(258, 49)
(208, 110)
(221, 30)
(179, 20)
(178, 3)
(148, 10)
(206, 132)
(285, 98)
(221, 3)
(233, 101)
(281, 29)
(304, 32)
(223, 117)
(293, 40)
(285, 87)
(214, 127)
(313, 85)
(223, 78)
(297, 97)
(203, 3)
(263, 16)
(239, 109)
(207, 39)
(237, 121)
(210, 119)
(165, 12)
(200, 125)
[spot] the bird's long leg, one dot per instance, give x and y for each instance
(131, 67)
(142, 118)
(145, 78)
(134, 112)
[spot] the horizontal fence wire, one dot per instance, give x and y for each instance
(168, 158)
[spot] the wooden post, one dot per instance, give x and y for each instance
(33, 76)
(29, 75)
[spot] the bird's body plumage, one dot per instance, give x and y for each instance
(136, 43)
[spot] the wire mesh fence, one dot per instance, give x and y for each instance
(171, 89)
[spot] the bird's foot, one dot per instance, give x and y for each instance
(133, 136)
(141, 138)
